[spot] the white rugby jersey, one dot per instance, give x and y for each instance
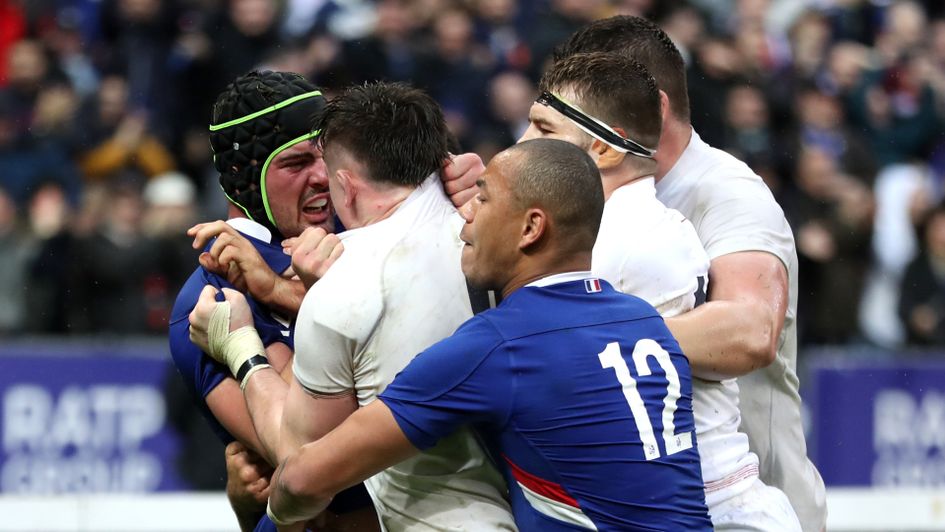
(397, 289)
(732, 210)
(645, 249)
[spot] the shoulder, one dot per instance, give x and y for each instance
(349, 298)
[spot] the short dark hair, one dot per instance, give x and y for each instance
(565, 181)
(612, 88)
(643, 41)
(396, 131)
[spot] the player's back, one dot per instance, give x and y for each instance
(601, 430)
(406, 293)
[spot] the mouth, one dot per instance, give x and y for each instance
(317, 208)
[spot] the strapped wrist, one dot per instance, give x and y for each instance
(249, 366)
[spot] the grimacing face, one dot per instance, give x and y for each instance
(297, 187)
(491, 234)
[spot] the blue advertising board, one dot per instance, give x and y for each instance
(877, 422)
(81, 419)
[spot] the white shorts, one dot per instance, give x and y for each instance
(760, 508)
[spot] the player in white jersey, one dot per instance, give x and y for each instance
(395, 290)
(746, 329)
(609, 105)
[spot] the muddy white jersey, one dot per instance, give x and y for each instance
(397, 289)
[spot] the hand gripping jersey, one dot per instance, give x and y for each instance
(587, 401)
(201, 373)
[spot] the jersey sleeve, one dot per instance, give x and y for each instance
(745, 217)
(460, 380)
(336, 320)
(326, 366)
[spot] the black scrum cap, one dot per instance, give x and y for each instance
(254, 119)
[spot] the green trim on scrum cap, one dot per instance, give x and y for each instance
(265, 168)
(280, 105)
(234, 202)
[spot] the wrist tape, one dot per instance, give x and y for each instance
(241, 350)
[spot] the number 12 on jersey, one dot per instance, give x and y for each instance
(611, 358)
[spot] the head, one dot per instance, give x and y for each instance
(610, 88)
(644, 42)
(379, 137)
(537, 212)
(270, 169)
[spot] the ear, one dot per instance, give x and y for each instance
(607, 156)
(350, 185)
(664, 106)
(534, 227)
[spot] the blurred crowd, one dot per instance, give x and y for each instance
(104, 157)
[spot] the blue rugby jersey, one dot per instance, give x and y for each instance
(574, 386)
(201, 373)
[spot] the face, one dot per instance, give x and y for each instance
(545, 122)
(491, 232)
(297, 187)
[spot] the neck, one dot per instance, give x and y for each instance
(376, 203)
(234, 212)
(673, 142)
(540, 267)
(614, 178)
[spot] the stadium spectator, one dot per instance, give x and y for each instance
(118, 138)
(922, 298)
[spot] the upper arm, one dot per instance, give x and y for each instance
(307, 417)
(756, 278)
(227, 405)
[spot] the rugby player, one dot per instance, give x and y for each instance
(747, 327)
(609, 106)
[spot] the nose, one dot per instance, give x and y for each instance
(469, 210)
(318, 176)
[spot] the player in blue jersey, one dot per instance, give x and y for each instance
(580, 391)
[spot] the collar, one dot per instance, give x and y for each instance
(644, 186)
(432, 181)
(557, 278)
(251, 228)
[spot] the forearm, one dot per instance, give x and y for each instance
(265, 394)
(289, 502)
(725, 339)
(285, 297)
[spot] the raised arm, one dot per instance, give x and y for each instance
(737, 330)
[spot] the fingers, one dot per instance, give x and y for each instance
(204, 232)
(309, 240)
(208, 296)
(460, 175)
(233, 297)
(234, 448)
(289, 244)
